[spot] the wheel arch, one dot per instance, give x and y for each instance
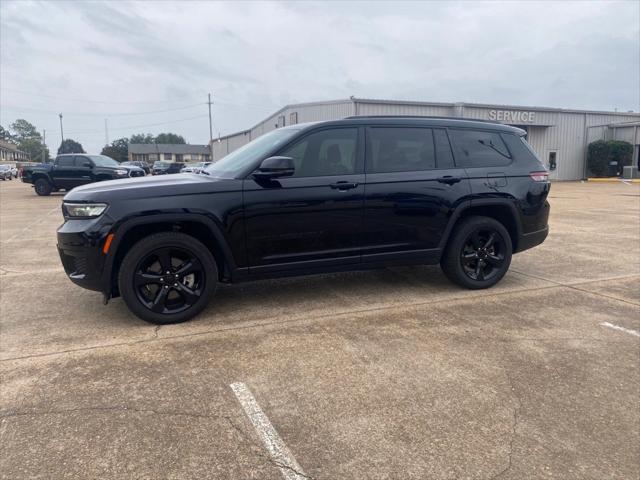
(198, 226)
(502, 210)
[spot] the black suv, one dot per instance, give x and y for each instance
(363, 192)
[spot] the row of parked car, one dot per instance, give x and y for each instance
(163, 167)
(8, 172)
(68, 171)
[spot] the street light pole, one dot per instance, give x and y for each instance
(210, 130)
(61, 131)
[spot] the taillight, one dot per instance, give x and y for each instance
(539, 176)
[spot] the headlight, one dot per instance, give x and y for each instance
(86, 210)
(122, 173)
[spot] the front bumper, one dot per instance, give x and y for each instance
(80, 248)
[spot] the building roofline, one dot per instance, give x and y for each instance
(356, 100)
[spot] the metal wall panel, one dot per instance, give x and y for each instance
(404, 109)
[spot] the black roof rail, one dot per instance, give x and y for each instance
(351, 117)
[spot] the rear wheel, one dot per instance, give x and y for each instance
(478, 254)
(42, 187)
(168, 278)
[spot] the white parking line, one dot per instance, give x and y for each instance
(288, 465)
(635, 333)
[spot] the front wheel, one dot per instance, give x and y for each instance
(168, 278)
(478, 254)
(42, 187)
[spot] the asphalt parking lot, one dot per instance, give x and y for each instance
(386, 374)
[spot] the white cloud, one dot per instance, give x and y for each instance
(255, 57)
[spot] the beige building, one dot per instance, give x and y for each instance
(559, 136)
(9, 153)
(169, 152)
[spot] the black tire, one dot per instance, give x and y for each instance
(478, 253)
(42, 187)
(156, 299)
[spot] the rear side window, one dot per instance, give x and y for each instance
(400, 150)
(65, 162)
(477, 148)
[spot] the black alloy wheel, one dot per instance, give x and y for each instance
(42, 187)
(478, 253)
(482, 256)
(167, 278)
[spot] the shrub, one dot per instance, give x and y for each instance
(601, 153)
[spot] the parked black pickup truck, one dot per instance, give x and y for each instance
(71, 170)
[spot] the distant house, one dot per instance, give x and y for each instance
(10, 153)
(151, 152)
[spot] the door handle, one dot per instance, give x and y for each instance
(343, 185)
(449, 180)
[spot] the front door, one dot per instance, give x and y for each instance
(313, 218)
(412, 189)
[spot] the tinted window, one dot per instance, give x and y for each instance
(444, 157)
(65, 161)
(476, 148)
(327, 152)
(400, 150)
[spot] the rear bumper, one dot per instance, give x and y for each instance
(530, 240)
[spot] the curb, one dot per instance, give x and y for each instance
(613, 180)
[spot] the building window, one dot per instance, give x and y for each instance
(293, 118)
(167, 156)
(281, 122)
(178, 157)
(553, 159)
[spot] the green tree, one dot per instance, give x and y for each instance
(23, 130)
(70, 146)
(27, 138)
(169, 138)
(142, 138)
(5, 134)
(118, 149)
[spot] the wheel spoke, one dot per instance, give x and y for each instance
(189, 296)
(479, 270)
(490, 240)
(470, 256)
(164, 257)
(495, 260)
(158, 304)
(190, 266)
(141, 279)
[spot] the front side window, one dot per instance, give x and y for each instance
(400, 150)
(325, 153)
(477, 148)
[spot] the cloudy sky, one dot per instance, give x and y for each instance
(148, 66)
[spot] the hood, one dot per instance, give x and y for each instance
(151, 187)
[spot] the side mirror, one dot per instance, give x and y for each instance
(275, 167)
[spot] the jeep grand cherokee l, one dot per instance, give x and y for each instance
(358, 193)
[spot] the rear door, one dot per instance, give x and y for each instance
(314, 218)
(63, 172)
(411, 191)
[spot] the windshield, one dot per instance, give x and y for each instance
(103, 161)
(238, 160)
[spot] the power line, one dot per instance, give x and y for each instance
(101, 132)
(84, 100)
(131, 114)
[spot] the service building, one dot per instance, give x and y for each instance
(559, 136)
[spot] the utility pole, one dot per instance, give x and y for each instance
(44, 145)
(106, 133)
(210, 129)
(61, 132)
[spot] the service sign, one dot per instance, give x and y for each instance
(511, 116)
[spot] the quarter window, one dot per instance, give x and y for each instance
(325, 153)
(400, 150)
(476, 148)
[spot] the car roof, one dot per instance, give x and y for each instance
(407, 120)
